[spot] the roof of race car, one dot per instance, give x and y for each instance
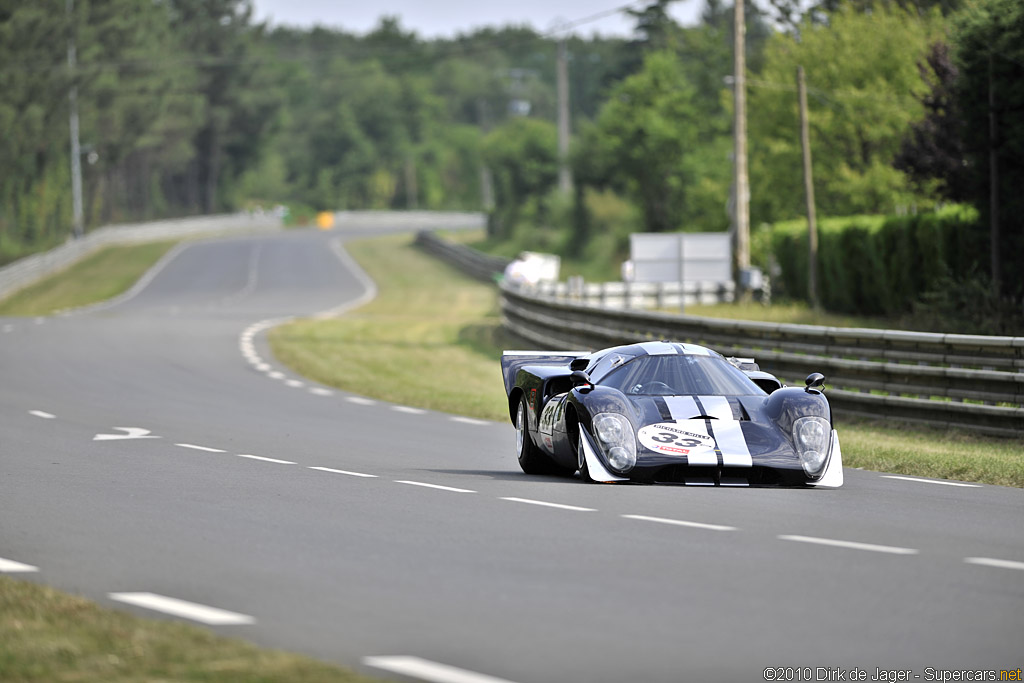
(655, 348)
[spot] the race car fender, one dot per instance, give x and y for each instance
(598, 472)
(833, 477)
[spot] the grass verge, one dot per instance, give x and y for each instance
(100, 276)
(46, 635)
(432, 339)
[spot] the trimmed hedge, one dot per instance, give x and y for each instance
(881, 265)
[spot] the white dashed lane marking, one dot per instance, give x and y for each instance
(932, 481)
(42, 414)
(200, 448)
(10, 567)
(8, 328)
(434, 486)
(275, 375)
(680, 522)
(204, 614)
(294, 383)
(351, 474)
(360, 401)
(469, 421)
(852, 545)
(260, 457)
(992, 562)
(408, 410)
(426, 670)
(320, 391)
(530, 501)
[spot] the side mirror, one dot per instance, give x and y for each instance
(815, 380)
(581, 380)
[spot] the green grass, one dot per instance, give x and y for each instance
(789, 312)
(49, 636)
(98, 277)
(925, 452)
(433, 339)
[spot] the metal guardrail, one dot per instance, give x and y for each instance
(973, 382)
(479, 265)
(25, 271)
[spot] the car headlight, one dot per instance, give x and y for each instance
(813, 437)
(615, 435)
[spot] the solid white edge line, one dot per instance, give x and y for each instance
(852, 545)
(204, 614)
(42, 414)
(10, 567)
(351, 474)
(931, 481)
(426, 670)
(993, 562)
(433, 486)
(560, 506)
(680, 522)
(260, 457)
(407, 409)
(200, 448)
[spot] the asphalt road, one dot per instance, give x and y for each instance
(346, 528)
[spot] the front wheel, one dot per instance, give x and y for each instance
(582, 458)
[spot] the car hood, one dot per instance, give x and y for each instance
(703, 429)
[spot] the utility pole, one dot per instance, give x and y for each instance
(993, 166)
(78, 223)
(812, 222)
(562, 73)
(741, 205)
(486, 177)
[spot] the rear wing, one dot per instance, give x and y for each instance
(513, 361)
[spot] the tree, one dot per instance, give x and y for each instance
(933, 153)
(864, 93)
(989, 39)
(641, 140)
(523, 155)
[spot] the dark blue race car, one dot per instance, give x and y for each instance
(663, 412)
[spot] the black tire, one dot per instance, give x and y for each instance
(531, 459)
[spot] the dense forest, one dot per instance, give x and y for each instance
(190, 106)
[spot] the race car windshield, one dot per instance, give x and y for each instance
(679, 376)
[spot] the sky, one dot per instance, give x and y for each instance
(445, 18)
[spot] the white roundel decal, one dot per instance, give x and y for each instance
(673, 439)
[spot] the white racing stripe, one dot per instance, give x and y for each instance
(681, 407)
(530, 501)
(992, 562)
(182, 608)
(10, 567)
(732, 443)
(694, 350)
(852, 545)
(717, 407)
(351, 474)
(680, 522)
(433, 486)
(931, 481)
(426, 670)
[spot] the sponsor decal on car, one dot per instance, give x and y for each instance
(689, 438)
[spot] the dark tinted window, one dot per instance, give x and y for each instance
(679, 376)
